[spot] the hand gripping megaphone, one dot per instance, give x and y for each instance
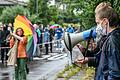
(71, 39)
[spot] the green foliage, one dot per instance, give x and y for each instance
(89, 74)
(53, 13)
(52, 22)
(44, 13)
(35, 18)
(85, 10)
(1, 8)
(77, 11)
(68, 72)
(9, 13)
(31, 6)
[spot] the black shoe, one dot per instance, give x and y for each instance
(2, 62)
(27, 70)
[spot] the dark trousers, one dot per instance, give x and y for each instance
(51, 47)
(40, 46)
(46, 48)
(4, 54)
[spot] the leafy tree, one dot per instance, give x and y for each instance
(46, 13)
(9, 13)
(85, 9)
(1, 8)
(42, 10)
(53, 13)
(81, 11)
(31, 6)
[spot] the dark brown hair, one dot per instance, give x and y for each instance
(21, 29)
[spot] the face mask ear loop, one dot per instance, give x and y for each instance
(107, 28)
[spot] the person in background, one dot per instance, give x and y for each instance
(40, 31)
(10, 27)
(46, 39)
(20, 68)
(1, 29)
(70, 29)
(58, 35)
(51, 31)
(39, 40)
(4, 44)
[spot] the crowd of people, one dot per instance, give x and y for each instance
(4, 40)
(48, 35)
(9, 38)
(44, 37)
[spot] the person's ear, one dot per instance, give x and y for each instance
(105, 21)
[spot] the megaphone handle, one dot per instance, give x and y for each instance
(70, 46)
(71, 55)
(88, 42)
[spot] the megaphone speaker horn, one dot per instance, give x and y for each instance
(71, 39)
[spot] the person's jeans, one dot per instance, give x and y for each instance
(58, 43)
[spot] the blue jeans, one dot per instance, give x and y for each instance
(58, 43)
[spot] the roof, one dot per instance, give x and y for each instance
(12, 3)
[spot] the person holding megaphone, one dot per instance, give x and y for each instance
(108, 58)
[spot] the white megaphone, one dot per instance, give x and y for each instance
(71, 39)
